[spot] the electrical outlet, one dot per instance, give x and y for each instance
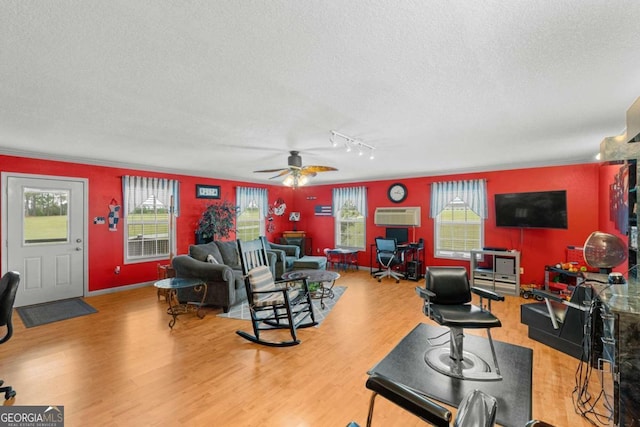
(521, 270)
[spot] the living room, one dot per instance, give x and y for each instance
(519, 97)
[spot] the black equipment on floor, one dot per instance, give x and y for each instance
(8, 289)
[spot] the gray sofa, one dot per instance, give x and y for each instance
(225, 284)
(285, 256)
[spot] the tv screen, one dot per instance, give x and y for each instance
(543, 209)
(400, 234)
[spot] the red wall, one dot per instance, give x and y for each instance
(586, 186)
(106, 249)
(538, 247)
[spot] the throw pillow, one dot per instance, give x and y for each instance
(212, 259)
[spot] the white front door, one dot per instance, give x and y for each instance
(45, 235)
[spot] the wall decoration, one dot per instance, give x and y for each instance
(279, 207)
(114, 215)
(207, 191)
(323, 210)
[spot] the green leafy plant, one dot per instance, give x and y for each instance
(217, 221)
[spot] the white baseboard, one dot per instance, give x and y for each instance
(119, 289)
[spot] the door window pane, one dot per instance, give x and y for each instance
(45, 216)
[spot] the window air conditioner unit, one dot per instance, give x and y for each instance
(398, 216)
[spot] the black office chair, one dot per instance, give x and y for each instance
(8, 288)
(447, 295)
(478, 409)
(388, 257)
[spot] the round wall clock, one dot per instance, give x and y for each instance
(397, 192)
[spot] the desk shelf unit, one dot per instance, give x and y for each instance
(497, 271)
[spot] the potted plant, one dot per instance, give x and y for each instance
(216, 222)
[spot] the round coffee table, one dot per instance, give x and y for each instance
(321, 277)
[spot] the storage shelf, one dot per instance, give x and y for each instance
(497, 271)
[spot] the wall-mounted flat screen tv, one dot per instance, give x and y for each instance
(542, 209)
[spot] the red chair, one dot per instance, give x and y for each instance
(333, 259)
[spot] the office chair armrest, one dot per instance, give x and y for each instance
(485, 293)
(409, 399)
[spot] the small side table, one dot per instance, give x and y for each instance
(175, 308)
(316, 276)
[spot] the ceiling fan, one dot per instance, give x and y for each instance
(295, 174)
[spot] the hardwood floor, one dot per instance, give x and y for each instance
(123, 366)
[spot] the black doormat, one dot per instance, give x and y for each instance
(405, 364)
(49, 312)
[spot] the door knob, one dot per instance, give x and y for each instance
(78, 248)
(78, 240)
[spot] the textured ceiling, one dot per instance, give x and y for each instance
(222, 88)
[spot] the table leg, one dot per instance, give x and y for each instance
(326, 291)
(173, 308)
(202, 288)
(176, 308)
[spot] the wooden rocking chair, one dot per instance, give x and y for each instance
(272, 305)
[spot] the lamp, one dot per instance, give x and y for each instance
(351, 143)
(295, 179)
(294, 217)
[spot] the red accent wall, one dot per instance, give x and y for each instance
(538, 247)
(106, 250)
(586, 185)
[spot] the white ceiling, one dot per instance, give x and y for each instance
(224, 87)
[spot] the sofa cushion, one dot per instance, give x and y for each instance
(230, 256)
(200, 252)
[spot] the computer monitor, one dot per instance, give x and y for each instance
(400, 234)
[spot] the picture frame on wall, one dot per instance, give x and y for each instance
(207, 191)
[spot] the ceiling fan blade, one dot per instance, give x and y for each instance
(272, 170)
(282, 173)
(319, 169)
(308, 173)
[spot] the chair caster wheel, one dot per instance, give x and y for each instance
(397, 281)
(379, 280)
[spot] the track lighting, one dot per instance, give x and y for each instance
(351, 143)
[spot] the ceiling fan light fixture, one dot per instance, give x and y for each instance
(295, 174)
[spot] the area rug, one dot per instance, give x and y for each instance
(49, 312)
(241, 311)
(405, 364)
